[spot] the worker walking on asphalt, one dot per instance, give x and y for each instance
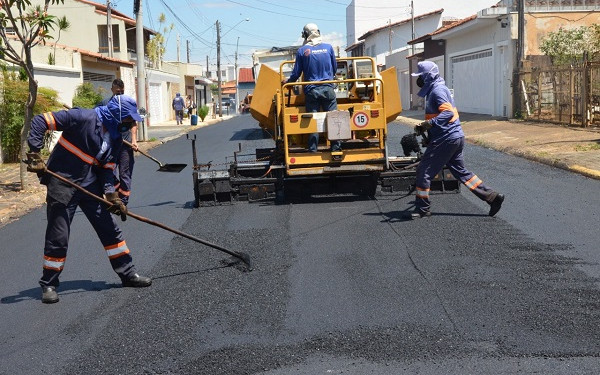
(446, 143)
(85, 154)
(316, 60)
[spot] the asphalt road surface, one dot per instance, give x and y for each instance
(339, 286)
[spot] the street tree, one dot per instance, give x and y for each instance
(568, 46)
(22, 27)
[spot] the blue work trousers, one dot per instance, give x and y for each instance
(321, 98)
(126, 162)
(447, 153)
(58, 231)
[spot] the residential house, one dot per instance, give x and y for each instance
(246, 83)
(388, 45)
(89, 36)
(479, 52)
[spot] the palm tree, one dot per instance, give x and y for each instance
(63, 24)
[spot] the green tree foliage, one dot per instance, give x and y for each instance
(569, 46)
(86, 96)
(63, 25)
(29, 26)
(156, 47)
(14, 93)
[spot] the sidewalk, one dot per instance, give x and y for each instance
(14, 203)
(574, 149)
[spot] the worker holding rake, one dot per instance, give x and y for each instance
(85, 155)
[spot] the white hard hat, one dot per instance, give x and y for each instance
(308, 29)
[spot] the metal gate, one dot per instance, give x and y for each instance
(565, 95)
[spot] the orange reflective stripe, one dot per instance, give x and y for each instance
(124, 192)
(76, 151)
(82, 155)
(473, 183)
(50, 121)
(422, 193)
(448, 107)
(117, 250)
(56, 264)
(429, 116)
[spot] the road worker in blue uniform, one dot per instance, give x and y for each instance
(317, 61)
(85, 154)
(126, 161)
(446, 143)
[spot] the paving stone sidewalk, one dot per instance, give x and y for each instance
(574, 149)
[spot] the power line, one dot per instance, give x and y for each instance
(282, 14)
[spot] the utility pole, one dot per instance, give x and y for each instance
(220, 102)
(109, 29)
(141, 60)
(237, 100)
(187, 45)
(390, 35)
(519, 57)
(178, 49)
(412, 18)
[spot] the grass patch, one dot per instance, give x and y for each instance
(587, 147)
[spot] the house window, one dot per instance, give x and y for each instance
(10, 31)
(103, 38)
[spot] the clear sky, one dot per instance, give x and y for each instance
(271, 23)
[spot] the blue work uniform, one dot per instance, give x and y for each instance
(446, 142)
(82, 156)
(317, 63)
(125, 163)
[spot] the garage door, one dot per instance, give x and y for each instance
(473, 82)
(155, 104)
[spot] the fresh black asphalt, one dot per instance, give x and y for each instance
(338, 286)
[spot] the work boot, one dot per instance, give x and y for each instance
(49, 294)
(417, 214)
(137, 281)
(496, 204)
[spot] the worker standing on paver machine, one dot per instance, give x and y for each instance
(316, 60)
(446, 143)
(85, 154)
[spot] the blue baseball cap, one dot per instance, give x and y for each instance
(123, 106)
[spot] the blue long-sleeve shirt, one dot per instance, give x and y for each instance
(75, 155)
(440, 111)
(316, 62)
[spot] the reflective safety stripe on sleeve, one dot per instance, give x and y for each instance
(124, 192)
(117, 250)
(448, 107)
(422, 193)
(56, 264)
(473, 182)
(50, 121)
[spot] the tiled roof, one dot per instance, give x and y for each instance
(442, 29)
(246, 75)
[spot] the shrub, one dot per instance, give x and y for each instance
(14, 93)
(203, 112)
(86, 96)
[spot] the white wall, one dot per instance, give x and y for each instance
(479, 35)
(378, 44)
(399, 61)
(365, 15)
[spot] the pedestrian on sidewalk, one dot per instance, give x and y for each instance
(126, 159)
(85, 154)
(446, 143)
(178, 106)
